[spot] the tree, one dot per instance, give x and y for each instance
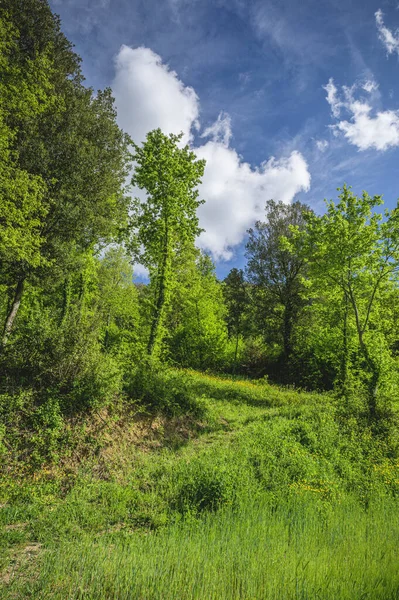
(167, 221)
(118, 303)
(355, 250)
(22, 96)
(65, 145)
(196, 329)
(236, 298)
(274, 272)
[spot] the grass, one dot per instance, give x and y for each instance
(292, 550)
(267, 494)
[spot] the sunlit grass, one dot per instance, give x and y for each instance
(269, 495)
(292, 550)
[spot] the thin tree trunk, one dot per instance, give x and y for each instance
(288, 315)
(12, 313)
(160, 301)
(344, 357)
(372, 386)
(236, 348)
(66, 301)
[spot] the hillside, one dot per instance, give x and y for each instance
(257, 492)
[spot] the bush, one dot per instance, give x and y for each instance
(30, 428)
(206, 488)
(161, 389)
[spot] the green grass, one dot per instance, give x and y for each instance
(292, 550)
(269, 494)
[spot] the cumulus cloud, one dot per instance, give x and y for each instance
(236, 194)
(365, 128)
(389, 38)
(148, 95)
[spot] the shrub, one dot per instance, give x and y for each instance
(161, 389)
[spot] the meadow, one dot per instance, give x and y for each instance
(255, 492)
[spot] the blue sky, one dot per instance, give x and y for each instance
(284, 99)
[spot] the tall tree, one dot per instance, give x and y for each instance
(167, 220)
(274, 272)
(196, 329)
(118, 303)
(64, 143)
(355, 250)
(236, 298)
(24, 96)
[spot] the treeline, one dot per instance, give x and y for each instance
(315, 307)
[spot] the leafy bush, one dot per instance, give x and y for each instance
(205, 488)
(30, 426)
(162, 389)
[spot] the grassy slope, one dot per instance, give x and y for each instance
(269, 495)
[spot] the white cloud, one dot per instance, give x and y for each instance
(364, 130)
(220, 131)
(388, 38)
(370, 86)
(332, 97)
(236, 194)
(322, 145)
(140, 272)
(149, 95)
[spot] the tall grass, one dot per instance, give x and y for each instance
(270, 494)
(292, 550)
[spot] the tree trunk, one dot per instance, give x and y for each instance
(12, 313)
(374, 371)
(66, 301)
(160, 301)
(344, 356)
(287, 333)
(236, 348)
(372, 385)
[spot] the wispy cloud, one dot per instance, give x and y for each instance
(366, 128)
(87, 13)
(370, 86)
(220, 131)
(322, 145)
(389, 38)
(296, 36)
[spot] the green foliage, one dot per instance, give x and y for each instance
(196, 332)
(118, 308)
(64, 159)
(163, 390)
(353, 257)
(166, 223)
(236, 298)
(24, 96)
(209, 486)
(242, 470)
(31, 428)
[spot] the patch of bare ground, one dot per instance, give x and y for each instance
(109, 442)
(20, 560)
